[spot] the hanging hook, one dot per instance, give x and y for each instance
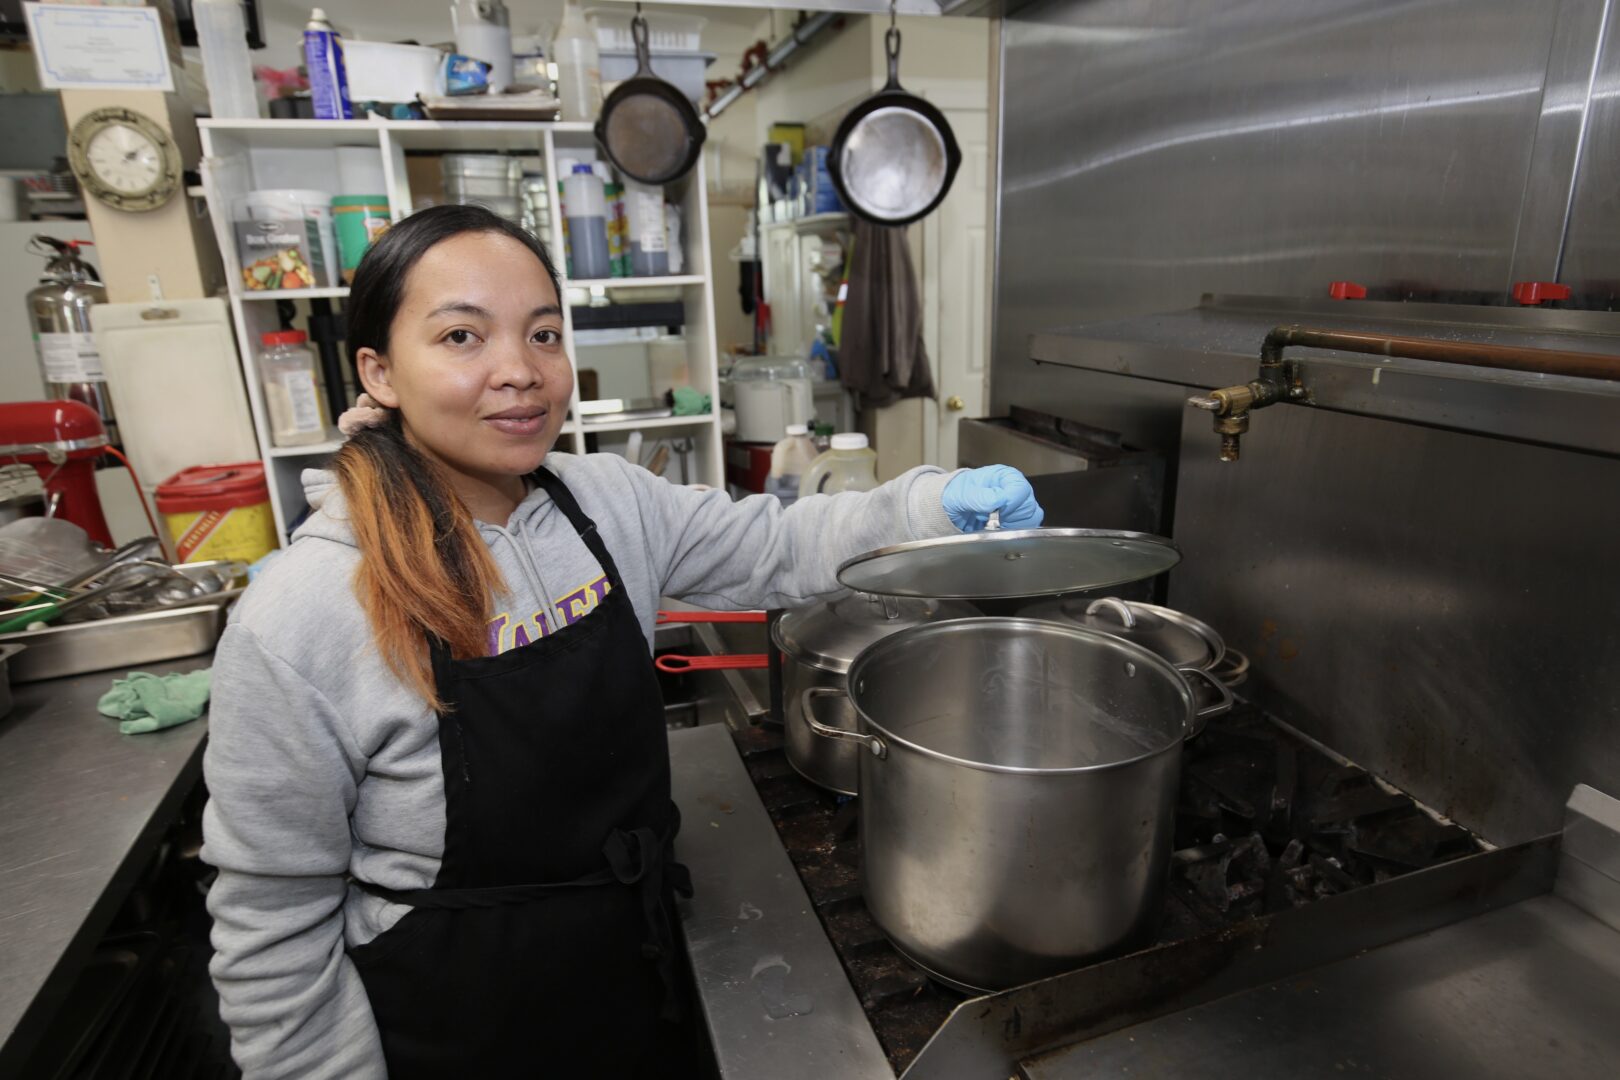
(892, 4)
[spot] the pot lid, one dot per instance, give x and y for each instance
(1010, 564)
(830, 635)
(1180, 639)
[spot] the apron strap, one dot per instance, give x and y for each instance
(583, 525)
(636, 857)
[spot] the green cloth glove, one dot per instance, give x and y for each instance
(153, 702)
(688, 402)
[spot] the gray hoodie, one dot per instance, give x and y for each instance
(322, 764)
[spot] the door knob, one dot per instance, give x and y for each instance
(955, 403)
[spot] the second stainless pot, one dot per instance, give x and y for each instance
(818, 645)
(1018, 782)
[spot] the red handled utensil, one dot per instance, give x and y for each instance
(675, 664)
(665, 618)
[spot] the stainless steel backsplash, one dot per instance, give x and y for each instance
(1439, 606)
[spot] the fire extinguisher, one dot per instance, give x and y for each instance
(60, 312)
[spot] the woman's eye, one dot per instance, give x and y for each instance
(460, 337)
(547, 337)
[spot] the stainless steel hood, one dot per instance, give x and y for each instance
(1218, 343)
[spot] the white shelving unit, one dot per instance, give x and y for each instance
(246, 155)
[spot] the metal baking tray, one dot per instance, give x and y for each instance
(124, 641)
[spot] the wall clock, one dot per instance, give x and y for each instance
(124, 159)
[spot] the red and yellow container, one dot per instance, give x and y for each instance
(219, 512)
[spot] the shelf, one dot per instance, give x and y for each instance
(635, 282)
(339, 292)
(295, 134)
(649, 424)
(316, 450)
(832, 222)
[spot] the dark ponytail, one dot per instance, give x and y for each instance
(423, 567)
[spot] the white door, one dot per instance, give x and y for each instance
(956, 292)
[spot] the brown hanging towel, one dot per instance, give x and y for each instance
(881, 355)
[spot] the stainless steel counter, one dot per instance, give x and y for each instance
(1529, 990)
(775, 999)
(81, 809)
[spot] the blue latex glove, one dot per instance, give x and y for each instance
(972, 496)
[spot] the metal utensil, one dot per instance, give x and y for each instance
(124, 642)
(135, 551)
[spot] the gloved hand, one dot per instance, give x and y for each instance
(972, 496)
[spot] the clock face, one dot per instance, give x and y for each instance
(124, 159)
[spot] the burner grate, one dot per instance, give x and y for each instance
(1264, 822)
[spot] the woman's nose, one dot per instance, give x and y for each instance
(515, 367)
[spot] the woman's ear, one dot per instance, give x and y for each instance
(374, 377)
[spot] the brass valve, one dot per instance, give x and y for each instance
(1278, 380)
(1231, 408)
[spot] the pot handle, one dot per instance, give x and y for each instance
(1127, 617)
(807, 708)
(1221, 707)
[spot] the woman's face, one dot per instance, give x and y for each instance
(475, 358)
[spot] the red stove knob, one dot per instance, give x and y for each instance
(1346, 290)
(1534, 292)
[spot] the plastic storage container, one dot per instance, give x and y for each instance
(585, 206)
(687, 70)
(849, 466)
(218, 512)
(644, 219)
(769, 393)
(357, 222)
(791, 459)
(579, 66)
(493, 181)
(287, 371)
(227, 70)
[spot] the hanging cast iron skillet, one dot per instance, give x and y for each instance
(894, 156)
(648, 129)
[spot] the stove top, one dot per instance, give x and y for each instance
(1265, 821)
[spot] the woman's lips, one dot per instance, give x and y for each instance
(518, 421)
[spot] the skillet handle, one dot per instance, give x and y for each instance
(807, 707)
(891, 46)
(638, 31)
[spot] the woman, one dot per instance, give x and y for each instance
(440, 786)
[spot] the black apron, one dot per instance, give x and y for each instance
(545, 946)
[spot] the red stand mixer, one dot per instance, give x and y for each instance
(62, 440)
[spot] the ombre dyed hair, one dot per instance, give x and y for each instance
(424, 571)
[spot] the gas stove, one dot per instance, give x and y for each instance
(1267, 822)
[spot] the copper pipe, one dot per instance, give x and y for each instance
(1281, 380)
(1507, 357)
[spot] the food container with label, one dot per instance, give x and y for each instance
(290, 378)
(284, 240)
(219, 512)
(358, 220)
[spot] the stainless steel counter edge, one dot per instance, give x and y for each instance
(1218, 344)
(774, 997)
(82, 808)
